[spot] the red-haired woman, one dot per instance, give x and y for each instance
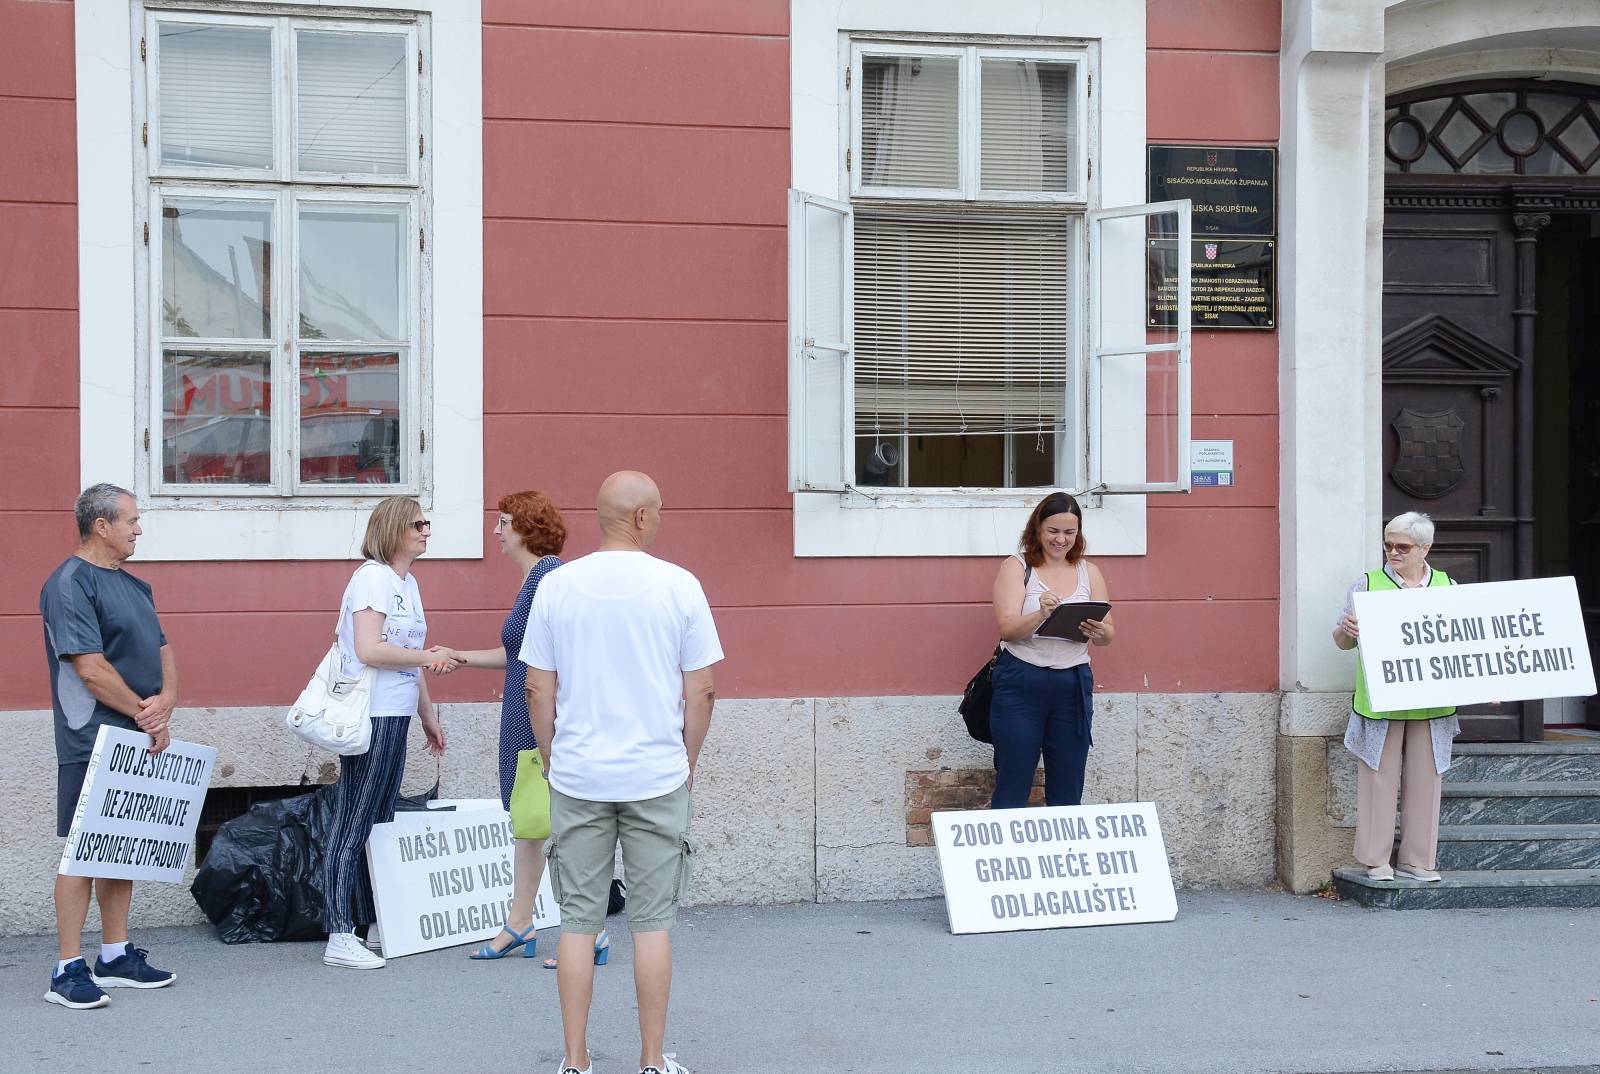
(1043, 688)
(532, 535)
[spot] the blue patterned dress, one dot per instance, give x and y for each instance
(516, 731)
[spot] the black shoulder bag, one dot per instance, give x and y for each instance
(979, 694)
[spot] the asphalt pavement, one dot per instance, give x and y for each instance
(1241, 982)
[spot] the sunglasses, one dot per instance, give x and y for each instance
(1398, 546)
(423, 525)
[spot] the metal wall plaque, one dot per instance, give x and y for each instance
(1234, 189)
(1232, 283)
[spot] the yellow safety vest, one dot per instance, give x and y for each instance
(1380, 580)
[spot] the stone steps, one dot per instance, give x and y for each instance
(1519, 826)
(1519, 846)
(1513, 802)
(1473, 888)
(1477, 762)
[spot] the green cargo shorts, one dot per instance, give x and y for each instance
(656, 853)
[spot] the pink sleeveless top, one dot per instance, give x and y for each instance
(1051, 652)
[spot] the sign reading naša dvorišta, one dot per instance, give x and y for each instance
(137, 815)
(1056, 867)
(1462, 644)
(442, 877)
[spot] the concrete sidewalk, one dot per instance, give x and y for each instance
(1240, 982)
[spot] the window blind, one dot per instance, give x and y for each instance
(961, 319)
(216, 95)
(910, 113)
(351, 101)
(1028, 119)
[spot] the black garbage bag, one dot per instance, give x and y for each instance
(262, 878)
(618, 899)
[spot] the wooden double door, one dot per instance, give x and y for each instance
(1491, 388)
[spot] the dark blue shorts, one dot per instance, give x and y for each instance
(69, 788)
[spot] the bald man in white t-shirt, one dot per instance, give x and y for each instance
(619, 649)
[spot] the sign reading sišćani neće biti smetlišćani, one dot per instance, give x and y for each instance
(1439, 646)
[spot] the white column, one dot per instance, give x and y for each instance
(1329, 337)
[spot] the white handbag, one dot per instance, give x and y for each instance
(334, 711)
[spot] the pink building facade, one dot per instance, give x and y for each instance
(567, 251)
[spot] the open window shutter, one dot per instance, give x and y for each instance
(820, 393)
(1139, 410)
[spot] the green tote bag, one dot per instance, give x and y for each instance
(530, 798)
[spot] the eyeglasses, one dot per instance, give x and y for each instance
(423, 525)
(1398, 546)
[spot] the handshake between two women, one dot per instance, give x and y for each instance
(443, 659)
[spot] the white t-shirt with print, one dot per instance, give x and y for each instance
(376, 586)
(619, 629)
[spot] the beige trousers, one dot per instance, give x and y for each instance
(1419, 806)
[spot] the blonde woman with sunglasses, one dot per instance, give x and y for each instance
(381, 625)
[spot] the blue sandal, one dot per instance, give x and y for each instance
(602, 951)
(524, 939)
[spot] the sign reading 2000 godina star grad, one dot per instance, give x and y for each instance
(1052, 868)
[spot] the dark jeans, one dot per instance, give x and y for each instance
(1040, 710)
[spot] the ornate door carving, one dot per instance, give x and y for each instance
(1452, 396)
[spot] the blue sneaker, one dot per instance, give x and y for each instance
(131, 971)
(73, 988)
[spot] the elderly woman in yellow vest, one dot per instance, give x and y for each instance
(1408, 749)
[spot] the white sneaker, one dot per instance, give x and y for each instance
(1416, 872)
(672, 1067)
(1381, 872)
(565, 1068)
(346, 951)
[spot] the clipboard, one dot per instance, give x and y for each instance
(1066, 622)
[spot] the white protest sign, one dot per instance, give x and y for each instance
(1057, 867)
(137, 814)
(1463, 644)
(444, 877)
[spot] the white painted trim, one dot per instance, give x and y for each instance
(1427, 42)
(831, 524)
(1330, 303)
(109, 247)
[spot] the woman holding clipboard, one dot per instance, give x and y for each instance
(1050, 604)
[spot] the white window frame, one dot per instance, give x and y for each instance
(416, 379)
(1100, 350)
(289, 189)
(941, 522)
(146, 105)
(417, 94)
(285, 65)
(969, 122)
(116, 399)
(148, 370)
(1082, 56)
(807, 351)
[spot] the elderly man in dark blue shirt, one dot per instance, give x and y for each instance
(109, 663)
